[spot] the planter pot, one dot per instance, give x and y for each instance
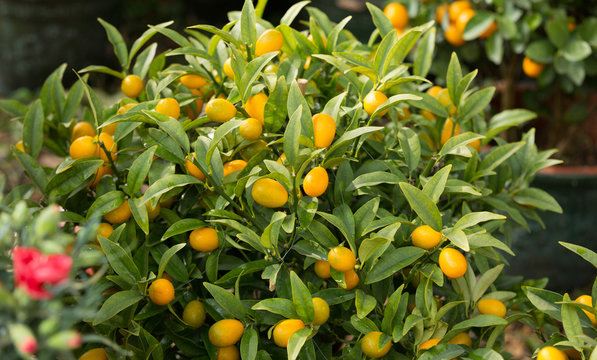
(38, 35)
(538, 253)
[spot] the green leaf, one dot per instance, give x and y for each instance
(275, 108)
(292, 136)
(393, 100)
(249, 344)
(477, 25)
(182, 226)
(434, 188)
(301, 298)
(73, 177)
(307, 208)
(545, 301)
(424, 54)
(292, 13)
(139, 170)
(105, 203)
(13, 107)
(571, 322)
(499, 154)
(494, 48)
(537, 198)
(374, 178)
(33, 126)
(120, 260)
(115, 304)
(226, 300)
(172, 127)
(453, 145)
(392, 261)
(506, 119)
(248, 23)
(454, 75)
(103, 70)
(296, 342)
(540, 51)
(557, 32)
(428, 102)
(35, 172)
(577, 50)
(165, 259)
(584, 252)
(144, 61)
(283, 307)
(411, 147)
(252, 72)
(364, 304)
(168, 183)
(458, 238)
(485, 281)
(472, 219)
(381, 21)
(423, 205)
(347, 137)
(475, 103)
(219, 134)
(75, 94)
(117, 42)
(139, 42)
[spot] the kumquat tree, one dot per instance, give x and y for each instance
(263, 191)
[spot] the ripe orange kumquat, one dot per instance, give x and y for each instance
(370, 345)
(316, 182)
(104, 230)
(82, 147)
(228, 69)
(82, 128)
(226, 332)
(220, 110)
(342, 259)
(491, 307)
(193, 81)
(373, 100)
(322, 269)
(456, 8)
(322, 311)
(234, 166)
(454, 36)
(204, 239)
(429, 344)
(284, 330)
(587, 300)
(98, 174)
(425, 237)
(132, 86)
(250, 129)
(532, 68)
(324, 129)
(449, 130)
(228, 353)
(452, 263)
(192, 168)
(105, 143)
(161, 291)
(551, 353)
(461, 339)
(194, 314)
(120, 214)
(351, 280)
(94, 354)
(270, 40)
(169, 107)
(255, 106)
(397, 14)
(269, 193)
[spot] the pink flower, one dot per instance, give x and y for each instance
(33, 270)
(28, 346)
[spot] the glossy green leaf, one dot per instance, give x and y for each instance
(226, 300)
(392, 261)
(301, 298)
(115, 304)
(423, 205)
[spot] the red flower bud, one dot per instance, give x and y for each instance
(28, 346)
(33, 270)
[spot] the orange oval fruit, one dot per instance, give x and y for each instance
(194, 314)
(397, 14)
(322, 311)
(204, 239)
(324, 130)
(425, 237)
(161, 292)
(429, 343)
(434, 90)
(220, 110)
(373, 100)
(226, 332)
(192, 168)
(284, 330)
(193, 81)
(234, 166)
(463, 19)
(322, 269)
(228, 69)
(449, 130)
(82, 147)
(551, 353)
(492, 307)
(370, 345)
(342, 259)
(316, 182)
(454, 36)
(440, 12)
(452, 263)
(456, 8)
(587, 300)
(532, 68)
(250, 129)
(109, 145)
(98, 174)
(131, 86)
(120, 214)
(104, 230)
(462, 339)
(94, 354)
(269, 193)
(270, 40)
(228, 353)
(82, 128)
(169, 107)
(351, 280)
(255, 106)
(489, 31)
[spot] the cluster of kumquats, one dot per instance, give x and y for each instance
(254, 207)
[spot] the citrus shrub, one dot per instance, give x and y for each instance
(349, 226)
